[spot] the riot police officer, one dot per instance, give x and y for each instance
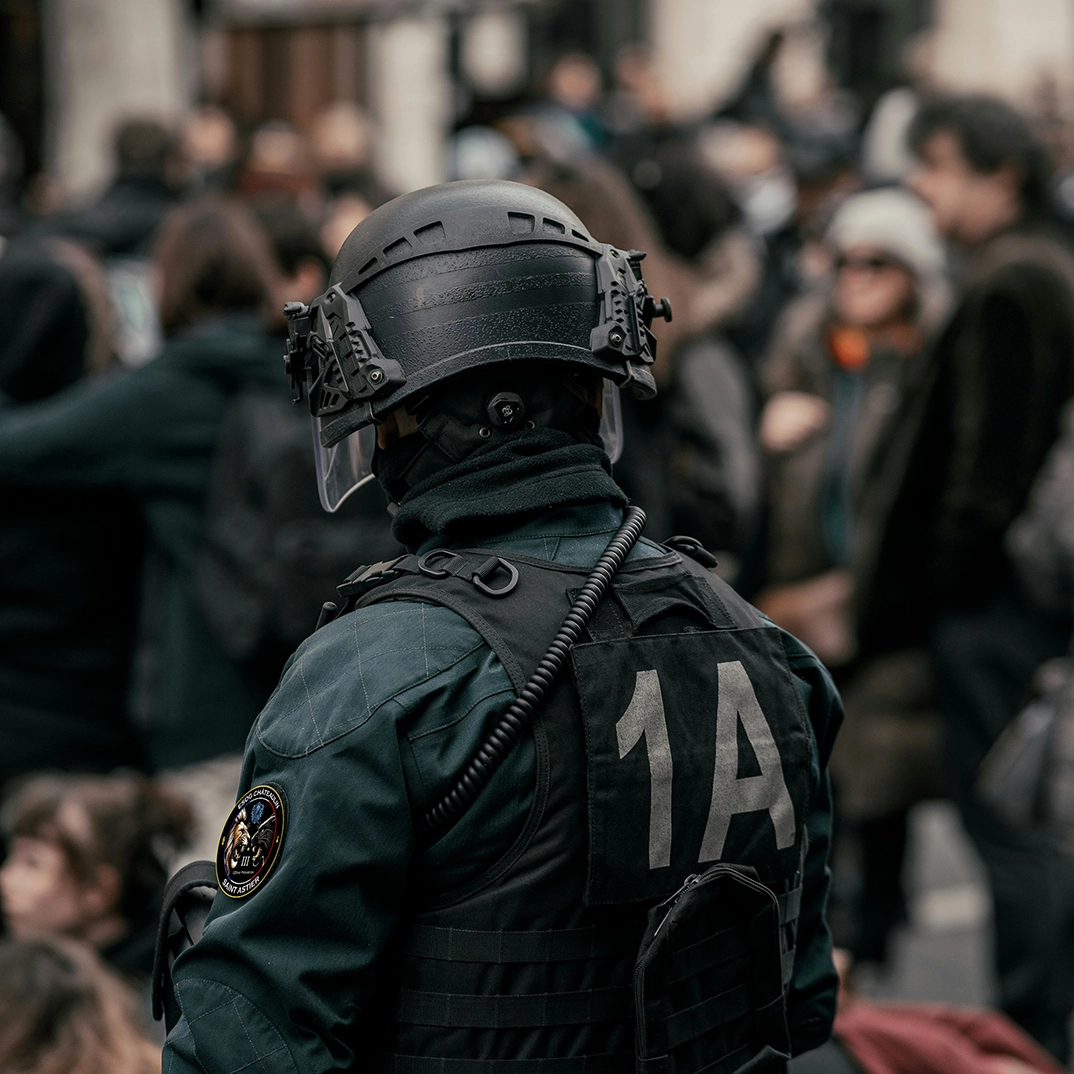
(541, 795)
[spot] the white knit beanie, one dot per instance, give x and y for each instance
(894, 221)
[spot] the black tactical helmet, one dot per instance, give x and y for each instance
(454, 277)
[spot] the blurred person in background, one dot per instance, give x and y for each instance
(210, 148)
(480, 152)
(297, 247)
(70, 561)
(638, 100)
(152, 433)
(688, 455)
(638, 116)
(791, 222)
(62, 1012)
(885, 150)
(986, 416)
(88, 858)
(279, 164)
(125, 218)
(272, 554)
(574, 92)
(841, 361)
(341, 142)
(756, 101)
(344, 214)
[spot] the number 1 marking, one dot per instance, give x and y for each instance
(644, 717)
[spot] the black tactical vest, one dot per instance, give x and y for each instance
(644, 919)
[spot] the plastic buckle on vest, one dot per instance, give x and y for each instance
(488, 569)
(436, 553)
(366, 577)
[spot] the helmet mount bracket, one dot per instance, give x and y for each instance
(627, 310)
(333, 358)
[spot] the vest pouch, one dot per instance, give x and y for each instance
(708, 983)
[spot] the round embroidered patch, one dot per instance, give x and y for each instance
(250, 842)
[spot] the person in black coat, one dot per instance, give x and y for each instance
(985, 421)
(125, 218)
(69, 562)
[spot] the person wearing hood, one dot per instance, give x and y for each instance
(69, 565)
(152, 432)
(835, 445)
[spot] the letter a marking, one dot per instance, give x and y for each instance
(730, 794)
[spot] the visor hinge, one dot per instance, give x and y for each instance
(333, 356)
(626, 309)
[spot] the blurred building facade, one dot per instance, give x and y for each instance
(70, 69)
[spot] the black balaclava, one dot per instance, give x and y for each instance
(483, 463)
(481, 412)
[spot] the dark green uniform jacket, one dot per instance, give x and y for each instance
(153, 433)
(374, 717)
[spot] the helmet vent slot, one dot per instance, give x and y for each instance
(430, 233)
(521, 223)
(397, 247)
(367, 266)
(555, 226)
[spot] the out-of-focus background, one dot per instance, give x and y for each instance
(72, 68)
(172, 171)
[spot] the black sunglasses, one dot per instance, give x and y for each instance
(876, 263)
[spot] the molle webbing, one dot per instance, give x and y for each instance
(545, 945)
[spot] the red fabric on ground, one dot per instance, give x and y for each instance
(926, 1039)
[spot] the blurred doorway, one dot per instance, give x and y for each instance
(22, 90)
(292, 72)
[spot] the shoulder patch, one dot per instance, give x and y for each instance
(250, 842)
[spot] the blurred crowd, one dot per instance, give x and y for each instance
(863, 414)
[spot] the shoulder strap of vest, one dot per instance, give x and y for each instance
(497, 593)
(515, 602)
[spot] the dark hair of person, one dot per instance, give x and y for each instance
(144, 147)
(293, 235)
(43, 348)
(213, 259)
(62, 1011)
(124, 820)
(991, 134)
(692, 206)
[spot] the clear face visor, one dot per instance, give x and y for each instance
(344, 467)
(347, 465)
(611, 422)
